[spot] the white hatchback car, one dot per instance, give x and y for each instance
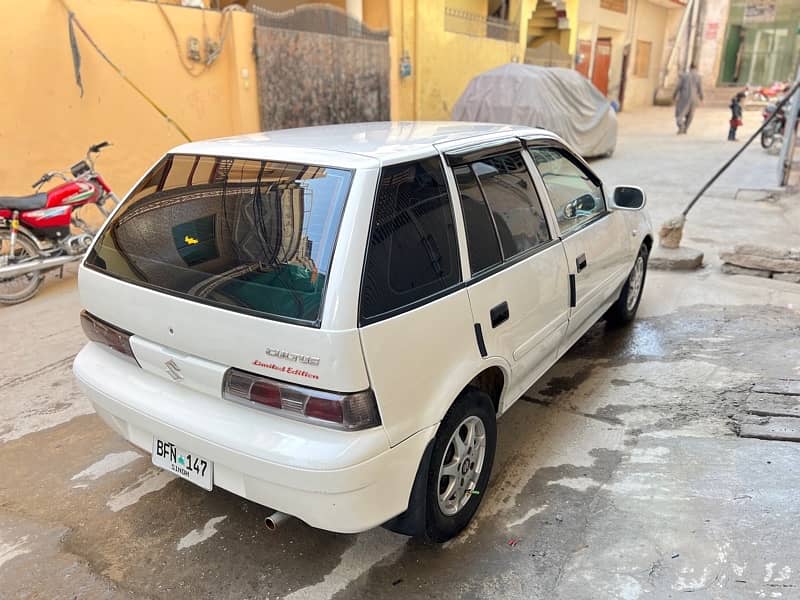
(328, 321)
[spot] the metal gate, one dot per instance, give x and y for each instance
(317, 66)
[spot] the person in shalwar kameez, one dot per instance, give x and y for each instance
(688, 94)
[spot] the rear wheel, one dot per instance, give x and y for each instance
(460, 465)
(624, 309)
(22, 287)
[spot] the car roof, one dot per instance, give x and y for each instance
(358, 144)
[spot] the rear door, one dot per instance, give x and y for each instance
(595, 239)
(518, 286)
(414, 315)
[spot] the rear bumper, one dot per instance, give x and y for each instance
(340, 481)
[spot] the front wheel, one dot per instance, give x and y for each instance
(18, 289)
(768, 136)
(624, 309)
(460, 465)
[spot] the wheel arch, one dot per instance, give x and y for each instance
(493, 381)
(490, 375)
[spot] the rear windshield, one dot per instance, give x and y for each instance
(249, 235)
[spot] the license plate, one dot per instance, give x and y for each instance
(184, 464)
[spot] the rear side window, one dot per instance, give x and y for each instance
(518, 214)
(247, 235)
(412, 252)
(482, 244)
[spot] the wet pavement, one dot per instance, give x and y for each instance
(619, 475)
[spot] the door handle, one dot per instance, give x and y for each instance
(580, 262)
(499, 314)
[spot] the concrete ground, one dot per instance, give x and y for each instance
(617, 476)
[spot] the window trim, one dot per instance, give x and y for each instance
(363, 321)
(582, 165)
(471, 154)
(507, 264)
(315, 324)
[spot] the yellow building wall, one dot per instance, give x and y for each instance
(572, 15)
(650, 27)
(46, 125)
(442, 62)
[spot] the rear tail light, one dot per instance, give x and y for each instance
(104, 333)
(350, 412)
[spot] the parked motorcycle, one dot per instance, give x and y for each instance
(767, 93)
(775, 129)
(36, 231)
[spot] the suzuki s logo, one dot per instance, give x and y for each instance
(291, 356)
(173, 370)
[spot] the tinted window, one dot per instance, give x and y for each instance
(248, 235)
(412, 252)
(516, 208)
(482, 244)
(575, 197)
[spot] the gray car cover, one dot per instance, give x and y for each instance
(560, 100)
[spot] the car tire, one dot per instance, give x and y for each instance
(624, 309)
(460, 465)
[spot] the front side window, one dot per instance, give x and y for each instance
(251, 236)
(412, 252)
(575, 196)
(508, 189)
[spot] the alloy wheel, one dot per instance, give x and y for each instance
(635, 283)
(461, 465)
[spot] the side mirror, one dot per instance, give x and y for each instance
(582, 204)
(629, 197)
(585, 203)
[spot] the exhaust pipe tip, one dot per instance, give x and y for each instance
(275, 520)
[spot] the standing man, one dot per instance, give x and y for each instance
(688, 94)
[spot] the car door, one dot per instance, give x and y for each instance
(595, 239)
(518, 280)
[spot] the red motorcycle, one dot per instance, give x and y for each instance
(36, 231)
(766, 94)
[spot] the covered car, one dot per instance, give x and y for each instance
(560, 100)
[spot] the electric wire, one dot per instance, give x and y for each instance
(119, 71)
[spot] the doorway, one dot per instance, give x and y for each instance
(731, 60)
(602, 64)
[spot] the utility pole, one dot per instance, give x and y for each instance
(692, 38)
(789, 137)
(673, 53)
